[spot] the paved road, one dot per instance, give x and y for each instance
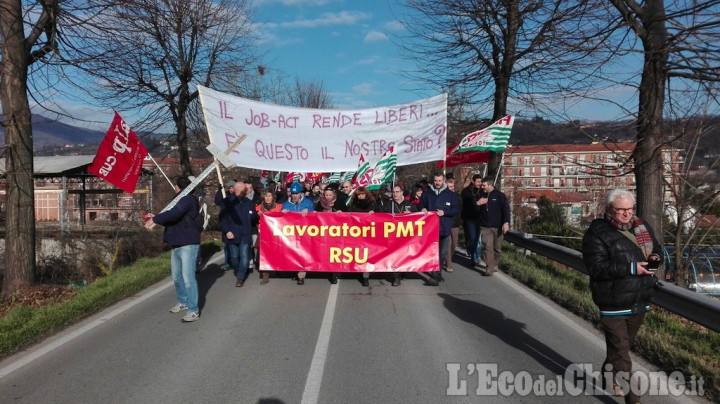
(317, 343)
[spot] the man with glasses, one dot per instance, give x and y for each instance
(619, 251)
(398, 204)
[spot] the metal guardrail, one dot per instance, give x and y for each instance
(693, 306)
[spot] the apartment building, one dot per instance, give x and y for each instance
(577, 176)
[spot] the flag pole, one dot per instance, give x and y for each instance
(161, 170)
(446, 138)
(497, 174)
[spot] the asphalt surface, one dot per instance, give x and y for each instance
(318, 343)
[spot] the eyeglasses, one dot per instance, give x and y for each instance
(624, 210)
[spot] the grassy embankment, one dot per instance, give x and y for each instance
(23, 325)
(666, 340)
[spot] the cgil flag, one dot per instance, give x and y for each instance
(120, 156)
(335, 177)
(348, 176)
(383, 171)
(493, 138)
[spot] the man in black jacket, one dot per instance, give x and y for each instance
(469, 198)
(617, 251)
(494, 223)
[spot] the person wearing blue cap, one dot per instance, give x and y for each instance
(297, 203)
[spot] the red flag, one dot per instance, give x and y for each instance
(302, 177)
(468, 157)
(119, 158)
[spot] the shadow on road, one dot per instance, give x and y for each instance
(512, 333)
(205, 280)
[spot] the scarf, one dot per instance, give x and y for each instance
(362, 203)
(642, 235)
(437, 191)
(326, 204)
(267, 207)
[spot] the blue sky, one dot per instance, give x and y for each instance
(344, 44)
(347, 45)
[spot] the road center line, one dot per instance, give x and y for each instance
(317, 366)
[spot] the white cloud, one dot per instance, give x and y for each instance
(374, 36)
(363, 88)
(291, 3)
(368, 61)
(328, 19)
(394, 26)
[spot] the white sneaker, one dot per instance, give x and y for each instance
(190, 317)
(178, 308)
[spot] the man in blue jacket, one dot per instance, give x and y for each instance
(236, 226)
(494, 223)
(297, 202)
(184, 238)
(445, 204)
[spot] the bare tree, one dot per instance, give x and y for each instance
(493, 50)
(695, 191)
(156, 51)
(309, 94)
(677, 43)
(30, 38)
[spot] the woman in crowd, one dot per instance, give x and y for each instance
(267, 204)
(415, 196)
(326, 203)
(362, 201)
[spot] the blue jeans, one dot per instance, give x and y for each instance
(472, 238)
(226, 249)
(182, 266)
(239, 258)
(444, 243)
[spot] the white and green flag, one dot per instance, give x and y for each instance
(348, 176)
(335, 177)
(493, 138)
(382, 172)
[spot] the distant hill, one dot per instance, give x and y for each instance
(47, 132)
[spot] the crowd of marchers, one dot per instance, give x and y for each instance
(482, 210)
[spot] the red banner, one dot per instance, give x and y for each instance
(349, 242)
(119, 158)
(302, 177)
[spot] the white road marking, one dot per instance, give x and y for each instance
(45, 349)
(317, 366)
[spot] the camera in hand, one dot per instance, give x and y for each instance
(652, 265)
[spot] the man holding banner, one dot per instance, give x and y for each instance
(184, 238)
(445, 204)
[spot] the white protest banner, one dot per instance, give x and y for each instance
(323, 140)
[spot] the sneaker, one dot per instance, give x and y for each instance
(481, 263)
(449, 269)
(364, 282)
(190, 317)
(178, 308)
